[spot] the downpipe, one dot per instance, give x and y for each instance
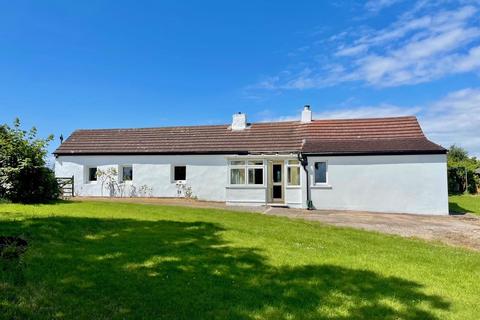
(304, 162)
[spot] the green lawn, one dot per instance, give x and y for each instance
(465, 203)
(97, 260)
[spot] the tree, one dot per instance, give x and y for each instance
(23, 175)
(457, 154)
(461, 171)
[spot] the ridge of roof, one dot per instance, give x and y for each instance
(253, 123)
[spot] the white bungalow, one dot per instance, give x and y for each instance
(382, 164)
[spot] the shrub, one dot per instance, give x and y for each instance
(34, 185)
(23, 175)
(108, 179)
(461, 171)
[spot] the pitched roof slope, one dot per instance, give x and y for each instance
(331, 136)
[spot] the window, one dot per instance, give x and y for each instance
(320, 172)
(255, 172)
(246, 172)
(255, 175)
(237, 172)
(180, 173)
(127, 173)
(237, 176)
(293, 172)
(237, 163)
(92, 174)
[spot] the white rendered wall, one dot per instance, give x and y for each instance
(206, 174)
(410, 184)
(246, 196)
(293, 196)
(402, 184)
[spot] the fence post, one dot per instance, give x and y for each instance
(73, 186)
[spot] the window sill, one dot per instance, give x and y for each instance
(245, 186)
(321, 186)
(293, 187)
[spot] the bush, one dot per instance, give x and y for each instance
(461, 180)
(34, 185)
(23, 175)
(461, 171)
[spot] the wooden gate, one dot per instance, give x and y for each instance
(66, 185)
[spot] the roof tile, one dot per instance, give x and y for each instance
(352, 135)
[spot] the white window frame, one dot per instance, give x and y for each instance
(245, 168)
(172, 172)
(120, 173)
(255, 166)
(321, 184)
(288, 165)
(87, 175)
(237, 166)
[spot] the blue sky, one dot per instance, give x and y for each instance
(105, 64)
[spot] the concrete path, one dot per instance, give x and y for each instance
(457, 230)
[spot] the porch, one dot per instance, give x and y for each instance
(272, 180)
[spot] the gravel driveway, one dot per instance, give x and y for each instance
(457, 230)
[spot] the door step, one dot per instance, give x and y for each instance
(277, 205)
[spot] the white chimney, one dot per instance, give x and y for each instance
(239, 121)
(306, 114)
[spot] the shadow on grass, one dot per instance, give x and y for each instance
(117, 269)
(456, 209)
(49, 202)
(54, 202)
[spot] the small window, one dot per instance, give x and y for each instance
(293, 172)
(127, 173)
(320, 172)
(277, 173)
(237, 176)
(92, 174)
(255, 175)
(294, 176)
(237, 163)
(180, 173)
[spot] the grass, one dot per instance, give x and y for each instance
(465, 203)
(96, 260)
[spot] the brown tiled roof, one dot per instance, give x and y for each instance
(275, 137)
(371, 146)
